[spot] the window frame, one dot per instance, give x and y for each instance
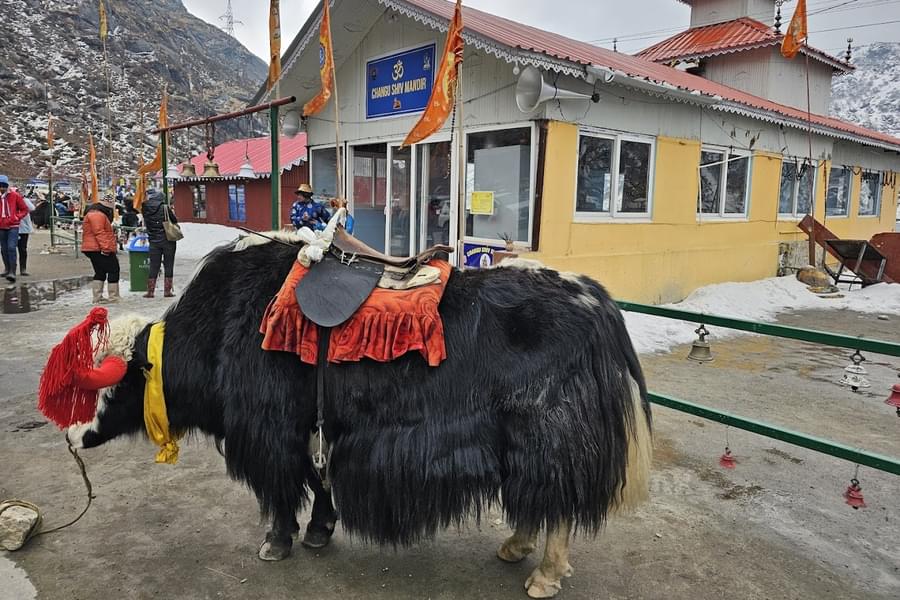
(799, 162)
(728, 153)
(849, 171)
(879, 194)
(613, 215)
(532, 175)
(243, 204)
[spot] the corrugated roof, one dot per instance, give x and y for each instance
(524, 37)
(230, 155)
(723, 38)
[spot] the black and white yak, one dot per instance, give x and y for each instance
(540, 407)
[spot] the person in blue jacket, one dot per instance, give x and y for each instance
(306, 212)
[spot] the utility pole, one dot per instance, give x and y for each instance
(228, 17)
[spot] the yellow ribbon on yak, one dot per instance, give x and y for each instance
(156, 420)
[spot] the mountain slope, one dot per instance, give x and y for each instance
(870, 96)
(51, 57)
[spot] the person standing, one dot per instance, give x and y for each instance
(25, 229)
(162, 250)
(99, 245)
(306, 212)
(12, 210)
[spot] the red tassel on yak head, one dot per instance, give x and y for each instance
(60, 398)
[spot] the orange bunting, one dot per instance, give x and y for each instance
(326, 65)
(155, 164)
(443, 92)
(274, 44)
(797, 32)
(104, 27)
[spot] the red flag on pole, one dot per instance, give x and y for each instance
(443, 92)
(797, 32)
(326, 65)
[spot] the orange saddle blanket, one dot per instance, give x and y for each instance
(389, 324)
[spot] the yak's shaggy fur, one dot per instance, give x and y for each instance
(535, 405)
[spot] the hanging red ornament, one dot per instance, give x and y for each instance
(854, 496)
(726, 461)
(894, 398)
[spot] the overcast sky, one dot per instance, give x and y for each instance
(637, 23)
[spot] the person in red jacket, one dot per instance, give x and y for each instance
(99, 245)
(12, 210)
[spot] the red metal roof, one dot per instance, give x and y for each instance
(525, 37)
(231, 155)
(723, 38)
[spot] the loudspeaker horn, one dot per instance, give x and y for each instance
(532, 90)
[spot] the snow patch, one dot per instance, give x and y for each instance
(202, 238)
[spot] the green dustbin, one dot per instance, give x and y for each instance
(139, 262)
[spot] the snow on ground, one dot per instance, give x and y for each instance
(761, 300)
(201, 238)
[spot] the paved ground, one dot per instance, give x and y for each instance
(775, 527)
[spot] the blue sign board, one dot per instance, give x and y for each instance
(479, 256)
(399, 84)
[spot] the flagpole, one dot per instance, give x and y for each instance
(461, 175)
(339, 187)
(812, 200)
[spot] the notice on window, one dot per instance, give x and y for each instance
(482, 203)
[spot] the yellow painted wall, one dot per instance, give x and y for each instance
(666, 258)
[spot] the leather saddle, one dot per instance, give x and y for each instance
(338, 285)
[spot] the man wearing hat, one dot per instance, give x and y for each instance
(12, 210)
(306, 212)
(99, 245)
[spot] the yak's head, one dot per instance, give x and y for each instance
(120, 408)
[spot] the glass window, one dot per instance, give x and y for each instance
(837, 200)
(870, 194)
(237, 205)
(500, 162)
(324, 172)
(806, 189)
(787, 193)
(199, 193)
(598, 158)
(433, 166)
(401, 166)
(724, 182)
(797, 180)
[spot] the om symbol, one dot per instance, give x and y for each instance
(398, 70)
(321, 55)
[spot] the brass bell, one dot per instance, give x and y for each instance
(188, 169)
(211, 169)
(853, 373)
(700, 351)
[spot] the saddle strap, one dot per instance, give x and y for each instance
(319, 460)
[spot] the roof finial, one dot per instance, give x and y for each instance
(778, 4)
(849, 53)
(615, 44)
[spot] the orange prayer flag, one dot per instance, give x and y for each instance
(155, 164)
(797, 32)
(50, 132)
(326, 65)
(443, 92)
(274, 44)
(140, 186)
(92, 163)
(103, 23)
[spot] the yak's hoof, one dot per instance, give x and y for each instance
(273, 549)
(513, 553)
(317, 537)
(539, 585)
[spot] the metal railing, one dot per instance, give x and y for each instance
(824, 446)
(71, 235)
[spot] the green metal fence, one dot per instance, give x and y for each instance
(861, 343)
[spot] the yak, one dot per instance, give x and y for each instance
(540, 408)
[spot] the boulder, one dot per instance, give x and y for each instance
(813, 277)
(16, 523)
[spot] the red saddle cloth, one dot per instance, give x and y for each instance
(389, 324)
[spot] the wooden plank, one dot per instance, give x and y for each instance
(868, 271)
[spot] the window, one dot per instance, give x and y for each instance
(237, 204)
(870, 194)
(500, 162)
(724, 182)
(324, 171)
(199, 193)
(837, 200)
(601, 156)
(797, 180)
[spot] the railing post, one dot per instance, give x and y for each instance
(276, 170)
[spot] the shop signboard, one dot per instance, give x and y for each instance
(399, 83)
(479, 256)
